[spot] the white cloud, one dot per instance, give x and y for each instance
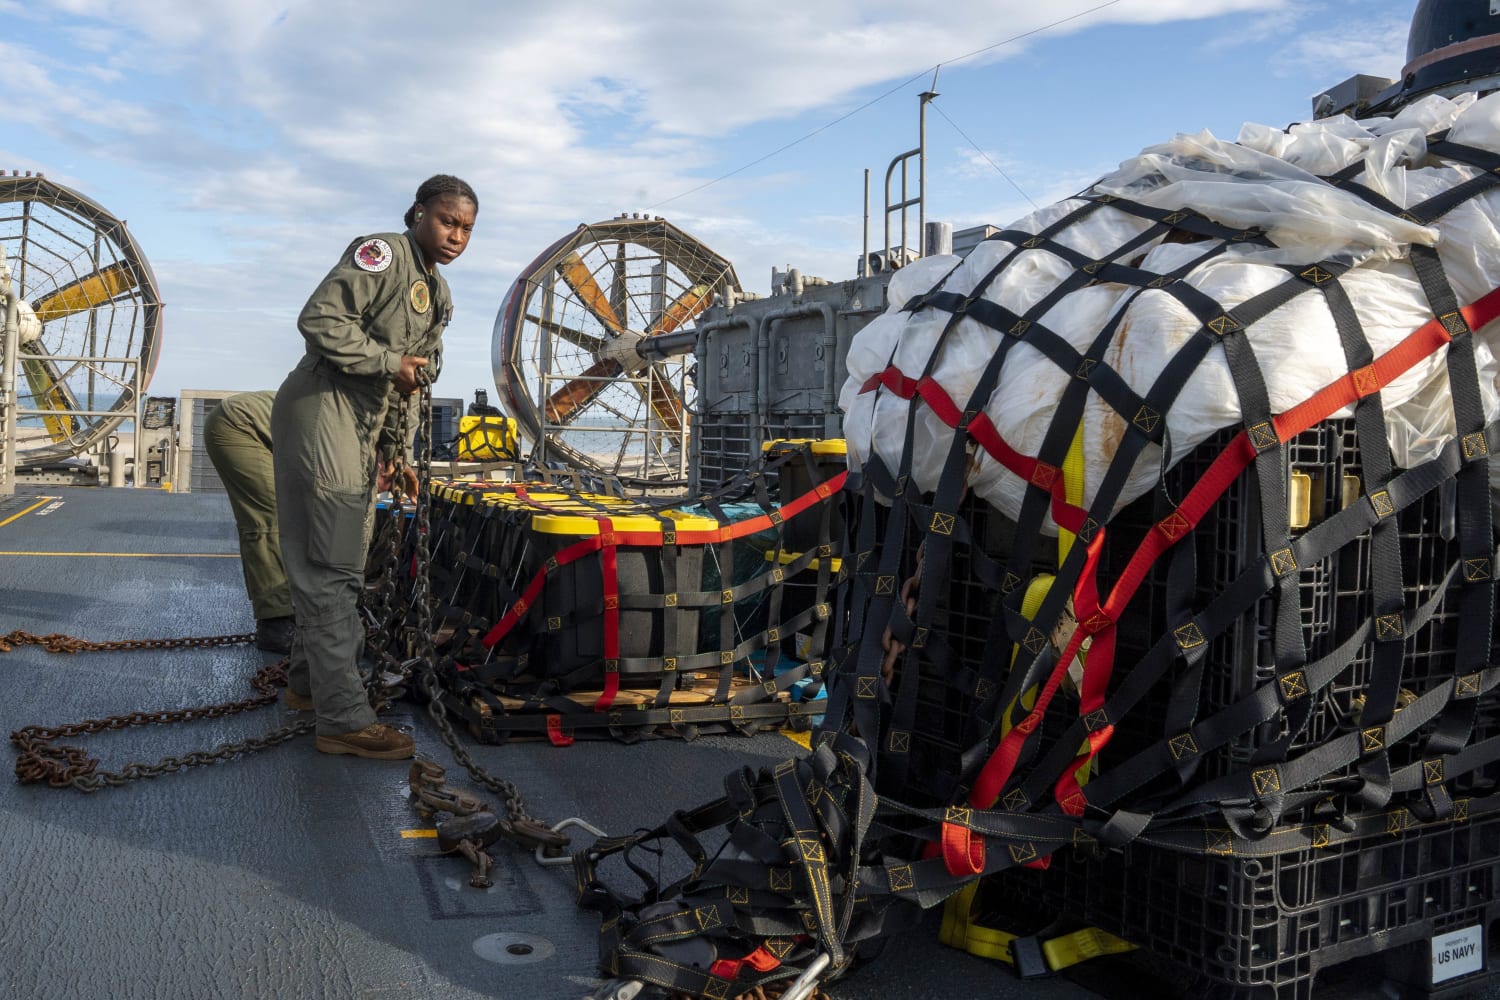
(1373, 46)
(42, 93)
(282, 129)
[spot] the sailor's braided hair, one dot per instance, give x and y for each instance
(435, 187)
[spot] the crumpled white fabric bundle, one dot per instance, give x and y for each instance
(1267, 180)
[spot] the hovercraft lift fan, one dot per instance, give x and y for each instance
(85, 323)
(590, 352)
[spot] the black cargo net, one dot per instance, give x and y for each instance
(566, 615)
(1285, 644)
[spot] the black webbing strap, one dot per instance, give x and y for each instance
(893, 749)
(786, 887)
(1255, 788)
(1251, 818)
(1270, 473)
(1475, 531)
(1386, 573)
(562, 718)
(1181, 589)
(1187, 220)
(874, 477)
(679, 632)
(1432, 209)
(1441, 204)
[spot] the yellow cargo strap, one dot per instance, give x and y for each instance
(1058, 953)
(1072, 471)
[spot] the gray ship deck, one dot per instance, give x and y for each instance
(288, 873)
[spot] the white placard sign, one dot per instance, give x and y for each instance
(1457, 954)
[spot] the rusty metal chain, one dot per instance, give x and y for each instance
(527, 828)
(60, 766)
(422, 585)
(39, 758)
(57, 642)
(385, 610)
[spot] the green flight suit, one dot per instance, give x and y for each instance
(333, 417)
(237, 437)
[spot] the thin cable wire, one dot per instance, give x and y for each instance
(794, 142)
(982, 153)
(900, 86)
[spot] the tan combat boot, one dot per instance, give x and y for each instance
(376, 741)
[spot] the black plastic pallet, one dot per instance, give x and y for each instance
(1272, 928)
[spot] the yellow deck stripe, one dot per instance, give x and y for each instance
(133, 555)
(416, 834)
(28, 510)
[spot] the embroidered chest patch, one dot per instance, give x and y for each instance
(373, 255)
(421, 297)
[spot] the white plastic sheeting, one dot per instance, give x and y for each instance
(1267, 180)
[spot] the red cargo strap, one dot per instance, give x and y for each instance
(533, 589)
(963, 853)
(997, 769)
(760, 960)
(555, 732)
(983, 432)
(608, 568)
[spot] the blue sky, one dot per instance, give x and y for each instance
(246, 142)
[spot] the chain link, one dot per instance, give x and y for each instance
(38, 757)
(57, 642)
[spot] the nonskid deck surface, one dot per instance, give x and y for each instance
(289, 873)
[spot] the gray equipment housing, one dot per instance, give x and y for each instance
(772, 368)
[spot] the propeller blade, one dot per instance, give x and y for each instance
(85, 293)
(50, 392)
(665, 402)
(681, 309)
(563, 405)
(575, 337)
(576, 274)
(617, 291)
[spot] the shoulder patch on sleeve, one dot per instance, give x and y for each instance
(373, 255)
